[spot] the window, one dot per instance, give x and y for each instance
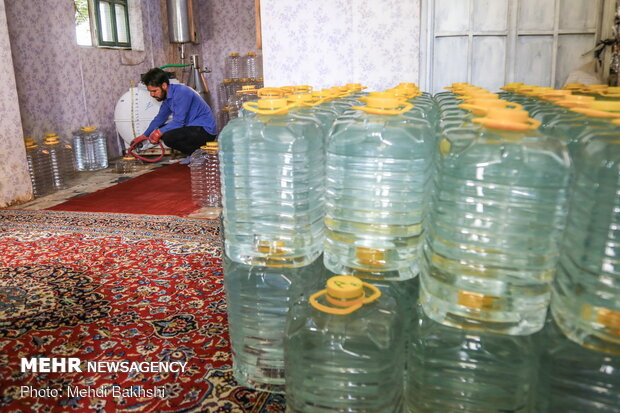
(493, 42)
(110, 22)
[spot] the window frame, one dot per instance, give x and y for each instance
(115, 43)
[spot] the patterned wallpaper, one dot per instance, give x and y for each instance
(14, 180)
(333, 42)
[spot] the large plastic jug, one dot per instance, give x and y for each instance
(465, 369)
(272, 173)
(344, 350)
(574, 378)
(90, 150)
(259, 300)
(499, 210)
(586, 292)
(378, 171)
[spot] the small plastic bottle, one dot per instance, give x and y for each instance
(126, 165)
(205, 167)
(250, 66)
(39, 168)
(232, 66)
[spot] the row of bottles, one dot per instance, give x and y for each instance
(463, 188)
(249, 66)
(53, 162)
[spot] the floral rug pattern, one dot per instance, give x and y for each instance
(116, 288)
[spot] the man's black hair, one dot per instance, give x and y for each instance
(155, 77)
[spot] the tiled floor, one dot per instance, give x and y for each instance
(87, 182)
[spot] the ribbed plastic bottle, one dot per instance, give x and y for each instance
(377, 175)
(586, 299)
(258, 301)
(212, 176)
(90, 150)
(576, 379)
(232, 66)
(198, 176)
(612, 93)
(272, 167)
(222, 93)
(224, 117)
(493, 234)
(235, 103)
(61, 164)
(39, 168)
(69, 158)
(127, 165)
(466, 370)
(250, 66)
(344, 351)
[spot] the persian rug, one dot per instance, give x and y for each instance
(164, 191)
(115, 313)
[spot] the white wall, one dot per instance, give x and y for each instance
(327, 43)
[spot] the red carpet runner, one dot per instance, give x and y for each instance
(164, 191)
(116, 290)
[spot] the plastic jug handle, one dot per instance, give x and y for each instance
(475, 109)
(332, 310)
(596, 113)
(379, 111)
(533, 123)
(376, 293)
(270, 91)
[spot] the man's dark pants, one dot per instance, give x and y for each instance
(187, 139)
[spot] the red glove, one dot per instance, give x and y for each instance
(139, 138)
(155, 136)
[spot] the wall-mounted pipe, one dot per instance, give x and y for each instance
(165, 66)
